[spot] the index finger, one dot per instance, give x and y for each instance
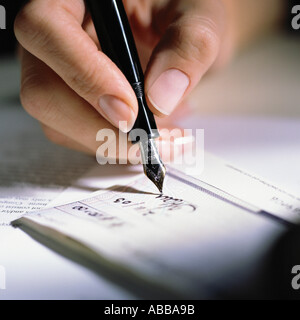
(52, 31)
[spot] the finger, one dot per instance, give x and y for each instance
(183, 111)
(67, 119)
(89, 28)
(53, 32)
(64, 141)
(140, 10)
(47, 98)
(188, 48)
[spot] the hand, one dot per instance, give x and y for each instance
(74, 90)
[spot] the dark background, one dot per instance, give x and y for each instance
(8, 42)
(7, 39)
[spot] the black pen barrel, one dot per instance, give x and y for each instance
(117, 42)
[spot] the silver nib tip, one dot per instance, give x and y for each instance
(153, 166)
(156, 173)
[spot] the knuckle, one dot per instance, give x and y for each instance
(207, 40)
(53, 136)
(196, 38)
(22, 18)
(36, 99)
(29, 95)
(35, 23)
(50, 134)
(21, 24)
(27, 24)
(86, 81)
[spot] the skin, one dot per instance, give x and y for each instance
(69, 85)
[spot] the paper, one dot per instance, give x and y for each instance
(33, 171)
(252, 189)
(178, 240)
(221, 225)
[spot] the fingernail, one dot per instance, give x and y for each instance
(166, 93)
(117, 113)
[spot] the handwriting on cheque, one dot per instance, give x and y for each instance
(161, 202)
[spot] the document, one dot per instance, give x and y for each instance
(177, 241)
(209, 229)
(268, 197)
(33, 172)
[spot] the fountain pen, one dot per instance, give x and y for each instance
(117, 42)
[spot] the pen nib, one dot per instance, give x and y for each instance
(153, 166)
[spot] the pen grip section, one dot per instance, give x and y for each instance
(145, 123)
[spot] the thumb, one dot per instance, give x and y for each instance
(187, 50)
